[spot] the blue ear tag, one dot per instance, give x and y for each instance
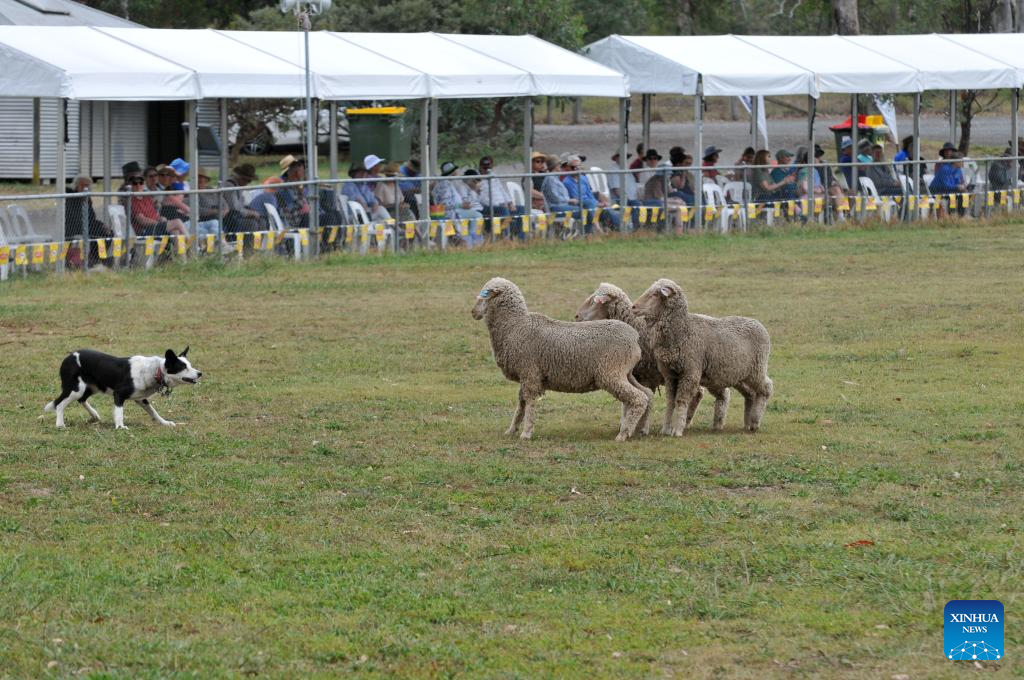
(485, 292)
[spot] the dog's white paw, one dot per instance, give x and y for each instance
(169, 423)
(62, 427)
(120, 427)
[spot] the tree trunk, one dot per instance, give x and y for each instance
(846, 17)
(1019, 17)
(1002, 17)
(684, 17)
(966, 107)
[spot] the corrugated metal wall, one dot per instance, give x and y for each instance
(127, 131)
(16, 138)
(209, 114)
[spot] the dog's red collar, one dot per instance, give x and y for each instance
(160, 376)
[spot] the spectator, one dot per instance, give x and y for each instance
(410, 169)
(650, 162)
(711, 155)
(538, 164)
(494, 197)
(622, 185)
(128, 170)
(469, 189)
(864, 151)
(846, 156)
(387, 191)
(211, 209)
(373, 164)
(291, 201)
(787, 189)
(579, 188)
(446, 192)
(80, 216)
(555, 192)
(181, 168)
(681, 181)
(809, 184)
(361, 193)
(882, 174)
(146, 221)
(1001, 174)
(764, 186)
(654, 188)
(949, 176)
(172, 206)
(742, 172)
(945, 153)
(906, 149)
(638, 162)
(267, 196)
(239, 216)
(828, 177)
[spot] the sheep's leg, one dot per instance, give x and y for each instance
(694, 403)
(687, 390)
(721, 409)
(528, 415)
(644, 426)
(517, 419)
(760, 402)
(636, 400)
(670, 404)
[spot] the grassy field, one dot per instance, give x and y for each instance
(338, 498)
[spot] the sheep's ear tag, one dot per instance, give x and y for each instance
(665, 292)
(485, 292)
(601, 299)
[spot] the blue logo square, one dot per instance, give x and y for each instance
(973, 630)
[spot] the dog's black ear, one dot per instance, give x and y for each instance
(184, 352)
(170, 356)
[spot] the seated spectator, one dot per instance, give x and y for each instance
(828, 177)
(883, 174)
(469, 190)
(538, 164)
(494, 196)
(291, 201)
(786, 189)
(621, 184)
(945, 153)
(1001, 174)
(808, 180)
(846, 156)
(764, 187)
(79, 216)
(639, 162)
(446, 193)
(709, 159)
(361, 193)
(239, 216)
(906, 150)
(181, 169)
(579, 188)
(683, 180)
(211, 208)
(949, 176)
(555, 192)
(650, 162)
(146, 221)
(410, 186)
(171, 206)
(742, 173)
(654, 188)
(388, 192)
(676, 155)
(268, 195)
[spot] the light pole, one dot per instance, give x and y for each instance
(303, 10)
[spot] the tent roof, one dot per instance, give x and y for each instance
(942, 64)
(224, 67)
(727, 65)
(342, 70)
(49, 61)
(1005, 47)
(555, 71)
(56, 13)
(840, 65)
(453, 71)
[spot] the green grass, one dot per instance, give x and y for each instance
(338, 498)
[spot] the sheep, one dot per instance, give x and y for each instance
(694, 350)
(541, 353)
(611, 302)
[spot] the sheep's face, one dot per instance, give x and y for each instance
(482, 300)
(594, 308)
(653, 303)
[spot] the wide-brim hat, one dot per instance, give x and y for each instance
(130, 168)
(245, 171)
(711, 151)
(203, 172)
(537, 154)
(948, 146)
(447, 168)
(652, 154)
(288, 161)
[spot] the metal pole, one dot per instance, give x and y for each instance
(698, 189)
(311, 160)
(916, 148)
(645, 120)
(627, 225)
(748, 191)
(223, 111)
(333, 122)
(435, 108)
(811, 110)
(61, 174)
(1014, 145)
(425, 163)
(107, 160)
(854, 133)
(193, 172)
(952, 117)
(36, 133)
(527, 152)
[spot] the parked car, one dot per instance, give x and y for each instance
(277, 135)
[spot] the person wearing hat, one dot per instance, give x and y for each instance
(949, 179)
(362, 193)
(882, 173)
(578, 186)
(239, 216)
(784, 176)
(494, 197)
(708, 160)
(538, 166)
(291, 200)
(211, 208)
(456, 206)
(146, 219)
(171, 205)
(621, 184)
(388, 193)
(846, 156)
(650, 162)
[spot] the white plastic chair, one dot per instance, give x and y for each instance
(118, 221)
(599, 182)
(277, 225)
(714, 196)
(515, 190)
(5, 269)
(885, 205)
(21, 227)
(360, 217)
(738, 192)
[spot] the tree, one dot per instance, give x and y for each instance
(846, 17)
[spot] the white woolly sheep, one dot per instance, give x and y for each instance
(694, 350)
(542, 354)
(611, 302)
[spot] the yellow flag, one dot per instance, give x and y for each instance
(597, 214)
(643, 216)
(656, 214)
(118, 244)
(709, 213)
(952, 200)
(584, 215)
(239, 242)
(54, 252)
(819, 205)
(991, 198)
(5, 254)
(899, 199)
(210, 239)
(101, 248)
(379, 233)
(525, 219)
(858, 203)
(332, 235)
(149, 250)
(20, 255)
(776, 209)
(304, 237)
(495, 225)
(182, 244)
(410, 231)
(449, 229)
(163, 244)
(844, 204)
(1004, 196)
(433, 229)
(257, 240)
(791, 208)
(965, 200)
(684, 213)
(542, 223)
(803, 206)
(478, 226)
(911, 201)
(872, 204)
(628, 213)
(464, 227)
(1016, 195)
(38, 254)
(64, 250)
(751, 210)
(350, 233)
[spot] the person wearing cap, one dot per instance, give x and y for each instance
(708, 160)
(146, 220)
(578, 186)
(846, 156)
(291, 201)
(181, 169)
(786, 189)
(362, 193)
(239, 216)
(268, 196)
(882, 174)
(622, 184)
(171, 205)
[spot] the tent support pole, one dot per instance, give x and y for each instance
(527, 151)
(698, 189)
(222, 109)
(333, 156)
(435, 110)
(645, 116)
(37, 115)
(107, 160)
(916, 149)
(60, 178)
(1014, 132)
(854, 134)
(952, 117)
(424, 207)
(623, 160)
(754, 113)
(193, 172)
(811, 110)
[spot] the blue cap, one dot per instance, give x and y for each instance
(180, 166)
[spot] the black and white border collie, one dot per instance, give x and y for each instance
(88, 372)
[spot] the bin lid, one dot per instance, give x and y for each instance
(863, 123)
(376, 110)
